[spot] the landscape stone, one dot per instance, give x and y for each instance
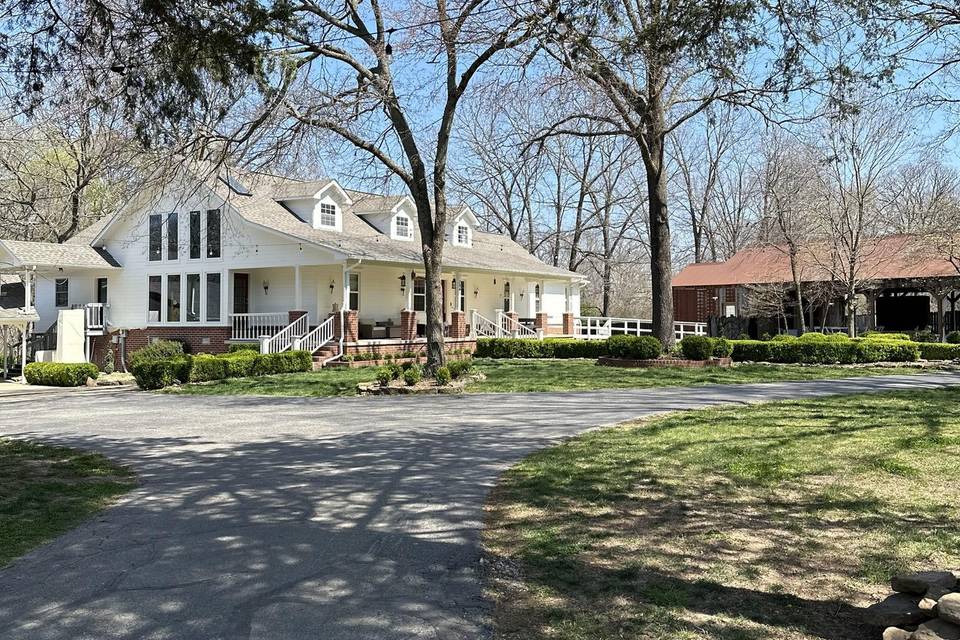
(948, 607)
(928, 604)
(923, 581)
(896, 610)
(895, 633)
(936, 630)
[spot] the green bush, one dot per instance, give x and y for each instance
(384, 376)
(696, 347)
(156, 374)
(938, 351)
(412, 375)
(563, 348)
(109, 362)
(924, 335)
(206, 368)
(953, 337)
(825, 350)
(459, 368)
(880, 335)
(283, 362)
(159, 350)
(442, 376)
(60, 374)
(395, 371)
(722, 348)
(242, 347)
(634, 347)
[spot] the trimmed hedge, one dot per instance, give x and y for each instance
(820, 349)
(634, 347)
(205, 367)
(60, 374)
(159, 350)
(696, 348)
(953, 337)
(240, 347)
(550, 348)
(939, 351)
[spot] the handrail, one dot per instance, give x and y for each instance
(252, 326)
(283, 339)
(512, 327)
(317, 338)
(484, 327)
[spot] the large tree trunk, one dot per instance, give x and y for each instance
(661, 268)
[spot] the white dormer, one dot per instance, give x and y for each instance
(320, 204)
(460, 228)
(401, 226)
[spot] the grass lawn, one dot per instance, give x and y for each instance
(772, 521)
(530, 375)
(46, 490)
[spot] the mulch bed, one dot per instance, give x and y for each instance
(663, 362)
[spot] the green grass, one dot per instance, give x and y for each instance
(778, 521)
(531, 375)
(47, 490)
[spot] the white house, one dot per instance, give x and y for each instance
(285, 263)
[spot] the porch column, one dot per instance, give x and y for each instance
(297, 289)
(458, 324)
(27, 290)
(871, 310)
(6, 348)
(568, 324)
(23, 349)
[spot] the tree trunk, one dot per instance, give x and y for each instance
(941, 317)
(607, 274)
(661, 270)
(852, 315)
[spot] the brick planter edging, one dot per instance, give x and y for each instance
(660, 363)
(353, 364)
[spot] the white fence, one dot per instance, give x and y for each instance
(600, 328)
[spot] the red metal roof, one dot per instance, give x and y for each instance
(887, 258)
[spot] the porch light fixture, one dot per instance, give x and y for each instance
(332, 287)
(521, 294)
(266, 287)
(476, 292)
(403, 282)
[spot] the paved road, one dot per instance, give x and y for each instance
(293, 518)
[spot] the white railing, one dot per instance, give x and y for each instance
(684, 329)
(317, 338)
(283, 339)
(482, 327)
(252, 326)
(95, 313)
(511, 327)
(599, 328)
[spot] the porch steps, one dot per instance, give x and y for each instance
(325, 352)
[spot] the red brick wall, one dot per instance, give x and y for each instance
(408, 325)
(139, 338)
(568, 324)
(458, 325)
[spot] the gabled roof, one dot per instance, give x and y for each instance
(891, 257)
(49, 254)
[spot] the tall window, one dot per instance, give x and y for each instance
(173, 298)
(213, 297)
(461, 296)
(173, 236)
(403, 226)
(328, 215)
(155, 299)
(354, 279)
(419, 294)
(62, 297)
(194, 235)
(213, 233)
(463, 234)
(506, 298)
(102, 290)
(193, 297)
(537, 300)
(156, 237)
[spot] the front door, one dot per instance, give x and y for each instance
(102, 290)
(241, 293)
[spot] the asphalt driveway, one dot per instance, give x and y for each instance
(284, 518)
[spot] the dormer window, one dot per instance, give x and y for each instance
(328, 215)
(401, 227)
(461, 235)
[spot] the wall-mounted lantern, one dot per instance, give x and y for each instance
(476, 292)
(266, 287)
(403, 283)
(333, 286)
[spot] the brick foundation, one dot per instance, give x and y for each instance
(408, 325)
(353, 326)
(540, 322)
(197, 339)
(458, 325)
(568, 324)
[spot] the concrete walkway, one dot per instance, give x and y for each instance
(286, 518)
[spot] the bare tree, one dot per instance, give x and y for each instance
(920, 197)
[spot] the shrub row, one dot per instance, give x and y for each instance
(634, 347)
(939, 351)
(60, 374)
(549, 348)
(156, 374)
(828, 350)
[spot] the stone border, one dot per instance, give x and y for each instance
(661, 363)
(424, 387)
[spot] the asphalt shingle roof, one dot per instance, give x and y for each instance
(50, 254)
